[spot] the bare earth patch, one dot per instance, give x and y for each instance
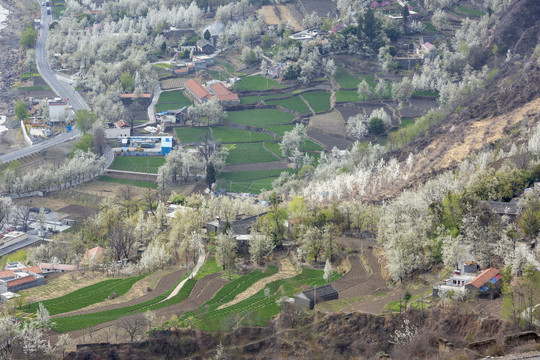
(286, 271)
(331, 122)
(273, 15)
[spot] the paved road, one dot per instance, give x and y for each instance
(63, 89)
(31, 239)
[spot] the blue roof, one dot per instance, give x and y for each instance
(494, 280)
(484, 289)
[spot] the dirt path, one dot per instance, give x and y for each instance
(286, 271)
(200, 262)
(309, 106)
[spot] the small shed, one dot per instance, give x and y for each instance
(166, 145)
(309, 298)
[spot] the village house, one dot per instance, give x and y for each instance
(19, 279)
(119, 129)
(240, 226)
(467, 282)
(196, 91)
(309, 298)
(206, 46)
(56, 268)
(224, 95)
(426, 49)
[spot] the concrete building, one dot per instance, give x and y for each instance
(60, 111)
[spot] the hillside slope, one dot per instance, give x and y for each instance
(509, 102)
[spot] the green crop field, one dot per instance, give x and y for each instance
(143, 164)
(77, 322)
(209, 267)
(138, 183)
(347, 96)
(309, 145)
(257, 82)
(293, 103)
(250, 175)
(175, 96)
(280, 129)
(191, 134)
(248, 153)
(273, 147)
(86, 296)
(230, 135)
(260, 117)
(318, 100)
(258, 309)
(346, 80)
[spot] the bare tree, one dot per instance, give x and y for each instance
(22, 216)
(133, 325)
(122, 241)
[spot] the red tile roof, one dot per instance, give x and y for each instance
(6, 273)
(483, 277)
(34, 269)
(121, 123)
(181, 71)
(222, 93)
(20, 281)
(198, 90)
(94, 254)
(64, 267)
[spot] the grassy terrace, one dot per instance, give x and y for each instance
(191, 134)
(318, 100)
(254, 311)
(294, 103)
(280, 129)
(248, 153)
(86, 296)
(142, 164)
(138, 183)
(251, 175)
(260, 117)
(230, 135)
(77, 322)
(257, 82)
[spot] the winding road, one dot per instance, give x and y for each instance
(62, 88)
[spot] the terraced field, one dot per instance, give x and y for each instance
(86, 296)
(318, 100)
(260, 117)
(246, 153)
(294, 103)
(142, 164)
(230, 135)
(257, 82)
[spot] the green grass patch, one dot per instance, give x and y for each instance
(19, 255)
(218, 75)
(58, 11)
(258, 185)
(257, 98)
(430, 28)
(405, 122)
(142, 164)
(251, 175)
(346, 80)
(273, 147)
(426, 93)
(310, 145)
(138, 183)
(33, 88)
(209, 267)
(175, 96)
(77, 322)
(280, 129)
(294, 103)
(230, 135)
(86, 296)
(468, 11)
(347, 96)
(248, 153)
(260, 117)
(191, 134)
(230, 68)
(170, 106)
(163, 66)
(318, 100)
(257, 82)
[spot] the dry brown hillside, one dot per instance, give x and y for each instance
(510, 99)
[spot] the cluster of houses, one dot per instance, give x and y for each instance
(60, 112)
(468, 281)
(214, 89)
(17, 276)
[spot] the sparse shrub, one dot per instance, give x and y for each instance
(496, 350)
(113, 295)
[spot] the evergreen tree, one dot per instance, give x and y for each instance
(210, 174)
